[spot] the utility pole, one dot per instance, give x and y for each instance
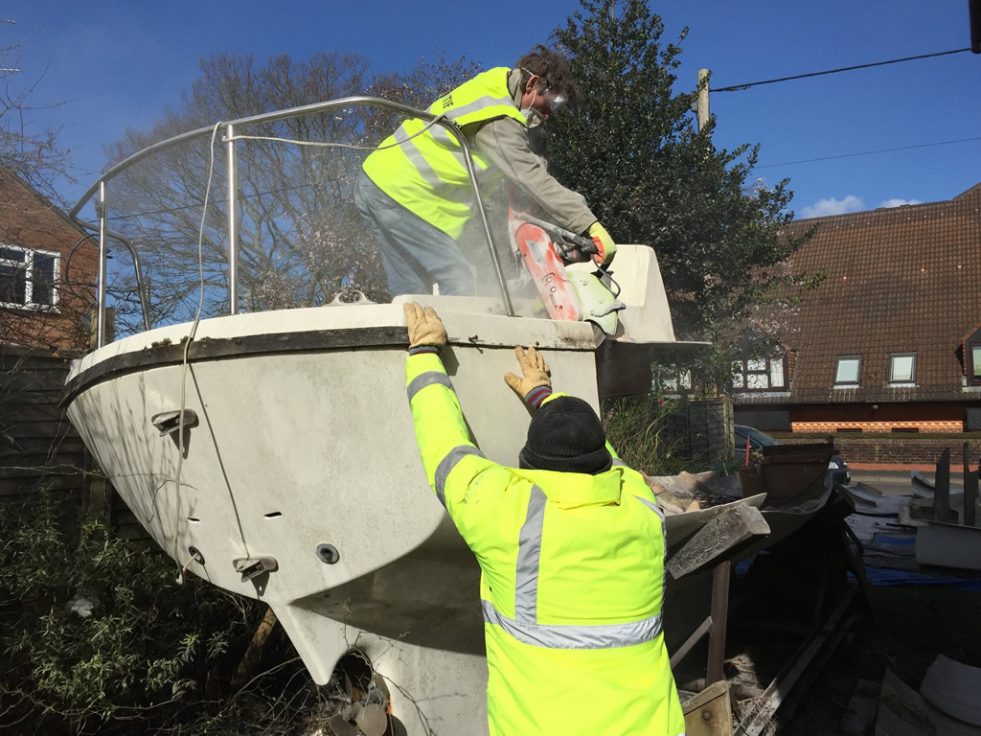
(702, 103)
(974, 18)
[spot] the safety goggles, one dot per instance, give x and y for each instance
(554, 100)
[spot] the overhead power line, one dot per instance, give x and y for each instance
(869, 153)
(739, 87)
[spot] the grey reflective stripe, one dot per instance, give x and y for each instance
(618, 462)
(408, 145)
(652, 505)
(428, 379)
(566, 636)
(479, 104)
(443, 136)
(452, 192)
(525, 627)
(447, 464)
(529, 558)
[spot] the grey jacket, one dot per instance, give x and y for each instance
(504, 143)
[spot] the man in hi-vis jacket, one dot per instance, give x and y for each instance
(571, 551)
(415, 193)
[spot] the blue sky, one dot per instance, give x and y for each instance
(107, 66)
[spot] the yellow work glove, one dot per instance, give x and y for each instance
(424, 325)
(534, 373)
(604, 243)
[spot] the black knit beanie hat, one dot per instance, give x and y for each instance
(566, 435)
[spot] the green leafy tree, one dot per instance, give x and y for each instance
(633, 148)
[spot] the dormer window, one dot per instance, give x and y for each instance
(974, 363)
(969, 355)
(848, 371)
(902, 368)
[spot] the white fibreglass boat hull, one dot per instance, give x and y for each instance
(302, 448)
(304, 438)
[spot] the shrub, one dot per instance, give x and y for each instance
(636, 427)
(98, 636)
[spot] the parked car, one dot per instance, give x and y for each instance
(758, 439)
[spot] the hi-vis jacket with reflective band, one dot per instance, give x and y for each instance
(426, 172)
(572, 575)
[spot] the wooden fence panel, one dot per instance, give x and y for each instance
(39, 449)
(701, 431)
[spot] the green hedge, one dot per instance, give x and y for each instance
(97, 635)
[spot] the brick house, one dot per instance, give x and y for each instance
(47, 272)
(890, 341)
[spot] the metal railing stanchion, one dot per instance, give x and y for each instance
(232, 220)
(100, 317)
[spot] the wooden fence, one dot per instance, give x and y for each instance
(38, 446)
(701, 431)
(40, 449)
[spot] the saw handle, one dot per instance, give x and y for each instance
(573, 247)
(581, 243)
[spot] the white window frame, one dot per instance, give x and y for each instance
(28, 266)
(678, 382)
(893, 381)
(973, 375)
(858, 371)
(763, 369)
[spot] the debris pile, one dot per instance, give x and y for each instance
(685, 492)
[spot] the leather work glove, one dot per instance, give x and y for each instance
(424, 325)
(604, 244)
(534, 372)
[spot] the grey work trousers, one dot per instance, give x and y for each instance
(414, 253)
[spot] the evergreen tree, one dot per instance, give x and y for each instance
(632, 147)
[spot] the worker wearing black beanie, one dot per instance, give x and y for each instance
(566, 435)
(571, 550)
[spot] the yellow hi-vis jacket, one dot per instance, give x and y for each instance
(425, 171)
(571, 586)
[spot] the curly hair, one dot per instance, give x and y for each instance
(552, 67)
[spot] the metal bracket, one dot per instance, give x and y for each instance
(168, 422)
(253, 567)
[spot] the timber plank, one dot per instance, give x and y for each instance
(722, 533)
(38, 430)
(31, 411)
(38, 467)
(708, 713)
(32, 380)
(31, 485)
(70, 444)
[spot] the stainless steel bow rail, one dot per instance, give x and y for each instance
(101, 190)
